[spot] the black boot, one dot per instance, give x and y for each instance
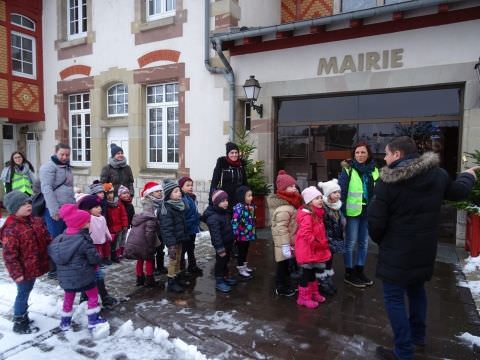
(107, 300)
(83, 297)
(352, 279)
(331, 285)
(150, 281)
(174, 286)
(140, 280)
(324, 288)
(160, 268)
(21, 325)
(362, 277)
(193, 268)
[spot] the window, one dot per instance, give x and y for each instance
(79, 122)
(353, 5)
(77, 18)
(117, 100)
(157, 9)
(22, 21)
(248, 116)
(23, 55)
(162, 126)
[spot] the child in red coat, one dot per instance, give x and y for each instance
(117, 219)
(25, 239)
(311, 247)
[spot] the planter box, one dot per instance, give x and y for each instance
(472, 243)
(259, 202)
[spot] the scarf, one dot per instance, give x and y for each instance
(319, 212)
(293, 198)
(404, 161)
(112, 204)
(365, 171)
(177, 204)
(335, 206)
(237, 163)
(117, 164)
(54, 158)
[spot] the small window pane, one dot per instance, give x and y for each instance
(354, 5)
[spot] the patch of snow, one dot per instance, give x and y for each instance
(472, 264)
(470, 339)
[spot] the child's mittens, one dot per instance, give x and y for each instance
(286, 251)
(172, 252)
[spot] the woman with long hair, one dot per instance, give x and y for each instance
(18, 174)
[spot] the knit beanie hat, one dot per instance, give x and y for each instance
(231, 146)
(14, 200)
(114, 149)
(107, 187)
(284, 180)
(240, 194)
(122, 190)
(168, 186)
(74, 218)
(310, 193)
(218, 196)
(183, 180)
(149, 188)
(329, 187)
(88, 202)
(95, 187)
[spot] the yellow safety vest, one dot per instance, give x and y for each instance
(355, 201)
(21, 182)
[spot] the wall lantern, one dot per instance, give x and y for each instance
(477, 69)
(252, 90)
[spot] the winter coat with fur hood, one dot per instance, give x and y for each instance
(404, 214)
(284, 225)
(311, 243)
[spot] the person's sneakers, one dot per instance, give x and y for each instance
(222, 286)
(386, 354)
(22, 326)
(66, 321)
(243, 273)
(245, 265)
(285, 291)
(230, 281)
(352, 279)
(361, 276)
(140, 280)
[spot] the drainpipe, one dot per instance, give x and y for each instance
(360, 14)
(227, 71)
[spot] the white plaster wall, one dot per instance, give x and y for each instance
(260, 13)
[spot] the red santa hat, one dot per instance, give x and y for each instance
(150, 187)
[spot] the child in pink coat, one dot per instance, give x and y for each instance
(311, 247)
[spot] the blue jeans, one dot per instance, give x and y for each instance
(24, 289)
(356, 233)
(55, 227)
(408, 328)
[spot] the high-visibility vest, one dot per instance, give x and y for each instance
(21, 182)
(355, 201)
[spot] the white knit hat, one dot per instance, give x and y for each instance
(310, 193)
(329, 187)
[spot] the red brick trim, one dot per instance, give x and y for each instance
(75, 70)
(158, 55)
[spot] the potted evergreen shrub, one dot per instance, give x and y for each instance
(255, 175)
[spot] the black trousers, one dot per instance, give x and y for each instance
(221, 263)
(188, 247)
(283, 273)
(242, 247)
(308, 275)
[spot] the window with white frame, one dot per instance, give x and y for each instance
(79, 123)
(23, 47)
(162, 125)
(117, 100)
(157, 9)
(76, 18)
(354, 5)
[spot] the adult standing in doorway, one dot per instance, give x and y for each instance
(56, 182)
(18, 174)
(229, 174)
(357, 181)
(403, 219)
(117, 171)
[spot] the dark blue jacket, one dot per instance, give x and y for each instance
(76, 259)
(192, 218)
(220, 227)
(173, 229)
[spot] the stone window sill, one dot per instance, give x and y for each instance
(65, 44)
(80, 170)
(155, 24)
(149, 173)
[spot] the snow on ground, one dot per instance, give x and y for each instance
(471, 269)
(470, 339)
(49, 343)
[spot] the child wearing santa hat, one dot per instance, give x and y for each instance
(76, 259)
(143, 237)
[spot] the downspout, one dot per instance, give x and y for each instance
(227, 71)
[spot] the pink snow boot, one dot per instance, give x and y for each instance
(305, 298)
(316, 296)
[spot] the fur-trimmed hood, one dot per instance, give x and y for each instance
(410, 168)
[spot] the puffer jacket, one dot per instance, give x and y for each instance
(143, 237)
(192, 218)
(117, 218)
(173, 228)
(25, 241)
(118, 176)
(227, 178)
(284, 224)
(243, 222)
(76, 259)
(311, 243)
(334, 227)
(220, 227)
(53, 174)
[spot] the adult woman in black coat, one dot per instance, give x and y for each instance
(229, 174)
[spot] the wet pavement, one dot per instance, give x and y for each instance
(252, 322)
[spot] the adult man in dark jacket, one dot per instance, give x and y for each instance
(403, 220)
